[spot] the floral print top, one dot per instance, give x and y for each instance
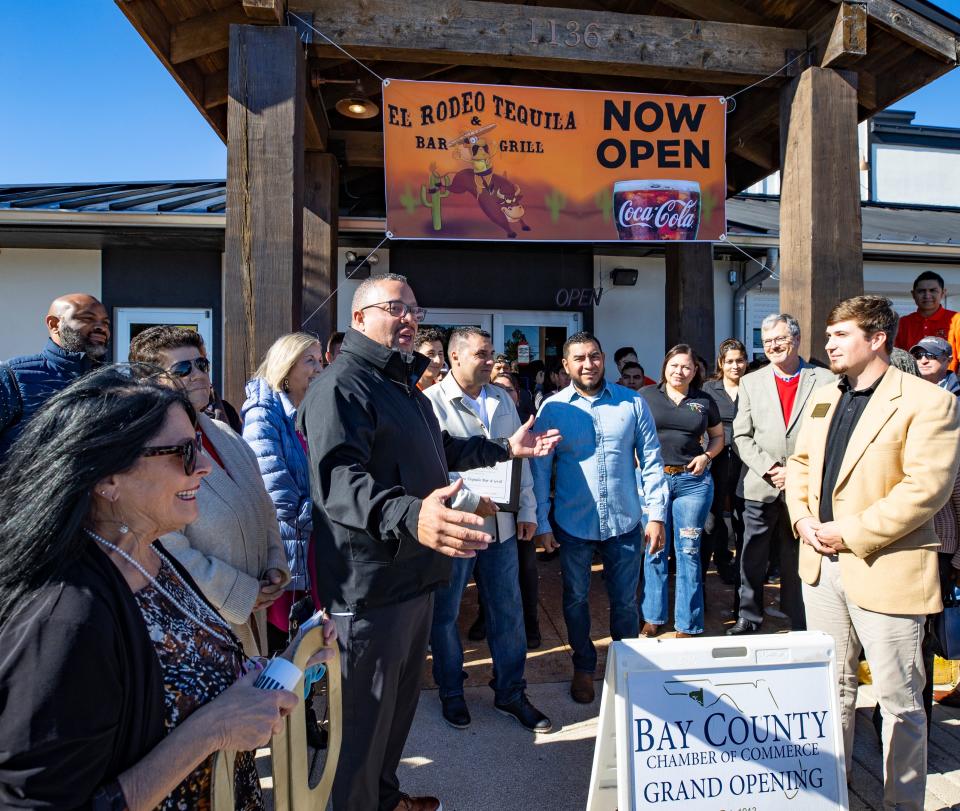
(196, 667)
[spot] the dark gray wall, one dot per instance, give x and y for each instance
(154, 277)
(493, 276)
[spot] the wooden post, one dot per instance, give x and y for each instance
(689, 297)
(821, 238)
(263, 277)
(320, 206)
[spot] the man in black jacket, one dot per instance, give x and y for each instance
(79, 330)
(383, 531)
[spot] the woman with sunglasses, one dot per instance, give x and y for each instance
(233, 550)
(291, 364)
(118, 682)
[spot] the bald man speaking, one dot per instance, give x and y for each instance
(79, 330)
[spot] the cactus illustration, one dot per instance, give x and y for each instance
(432, 194)
(604, 202)
(555, 201)
(407, 200)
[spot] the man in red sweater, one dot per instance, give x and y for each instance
(931, 317)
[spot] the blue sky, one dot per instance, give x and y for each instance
(84, 99)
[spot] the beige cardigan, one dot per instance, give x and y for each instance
(236, 537)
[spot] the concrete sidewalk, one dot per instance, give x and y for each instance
(496, 764)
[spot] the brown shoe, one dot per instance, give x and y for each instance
(581, 687)
(649, 630)
(408, 803)
(682, 635)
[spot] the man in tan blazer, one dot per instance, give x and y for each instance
(770, 403)
(876, 458)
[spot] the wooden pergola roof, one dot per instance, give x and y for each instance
(690, 47)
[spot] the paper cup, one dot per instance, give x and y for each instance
(279, 675)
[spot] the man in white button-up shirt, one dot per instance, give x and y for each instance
(467, 404)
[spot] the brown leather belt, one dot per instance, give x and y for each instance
(674, 470)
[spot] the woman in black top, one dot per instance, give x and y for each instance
(683, 414)
(726, 468)
(118, 681)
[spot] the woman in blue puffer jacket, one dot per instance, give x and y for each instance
(269, 426)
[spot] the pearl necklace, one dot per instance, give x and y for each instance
(153, 581)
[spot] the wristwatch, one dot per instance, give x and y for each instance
(504, 443)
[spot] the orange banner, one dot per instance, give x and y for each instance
(486, 162)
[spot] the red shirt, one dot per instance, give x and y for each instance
(787, 392)
(913, 327)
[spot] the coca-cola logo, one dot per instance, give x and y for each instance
(673, 213)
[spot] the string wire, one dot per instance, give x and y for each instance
(754, 259)
(339, 47)
(777, 72)
(350, 275)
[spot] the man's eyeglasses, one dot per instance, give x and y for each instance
(770, 343)
(189, 450)
(399, 309)
(919, 354)
(182, 367)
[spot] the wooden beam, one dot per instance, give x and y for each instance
(913, 28)
(215, 89)
(203, 35)
(320, 214)
(689, 297)
(721, 11)
(150, 23)
(317, 126)
(361, 148)
(263, 273)
(840, 39)
(264, 11)
(821, 235)
(469, 32)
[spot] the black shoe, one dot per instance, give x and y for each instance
(478, 631)
(534, 639)
(529, 716)
(743, 627)
(455, 712)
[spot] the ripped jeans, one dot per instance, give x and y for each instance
(690, 499)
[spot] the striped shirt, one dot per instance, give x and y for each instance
(945, 524)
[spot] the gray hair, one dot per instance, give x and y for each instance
(461, 334)
(904, 361)
(781, 318)
(365, 289)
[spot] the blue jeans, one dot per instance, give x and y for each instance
(621, 573)
(690, 499)
(499, 585)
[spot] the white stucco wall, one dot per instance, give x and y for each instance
(29, 280)
(634, 316)
(916, 175)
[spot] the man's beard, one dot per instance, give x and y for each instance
(73, 341)
(838, 368)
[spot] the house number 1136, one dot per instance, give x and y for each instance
(566, 33)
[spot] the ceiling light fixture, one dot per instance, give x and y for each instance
(357, 105)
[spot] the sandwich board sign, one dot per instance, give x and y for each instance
(698, 724)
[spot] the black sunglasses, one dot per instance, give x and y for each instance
(919, 354)
(182, 367)
(189, 450)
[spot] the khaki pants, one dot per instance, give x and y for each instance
(892, 644)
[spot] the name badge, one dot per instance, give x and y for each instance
(820, 410)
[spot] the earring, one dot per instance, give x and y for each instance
(123, 529)
(285, 385)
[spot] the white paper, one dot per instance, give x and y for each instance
(494, 482)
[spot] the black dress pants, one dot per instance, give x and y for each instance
(382, 654)
(766, 524)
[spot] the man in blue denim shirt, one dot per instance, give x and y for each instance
(607, 430)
